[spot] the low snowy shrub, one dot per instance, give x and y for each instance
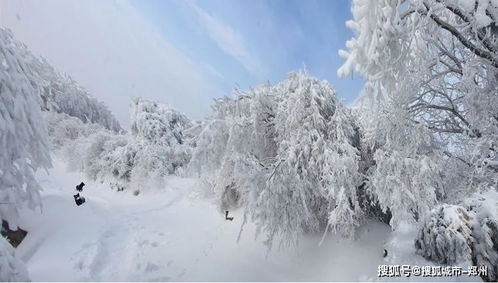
(485, 232)
(62, 128)
(452, 234)
(445, 235)
(155, 147)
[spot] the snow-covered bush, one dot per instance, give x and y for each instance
(12, 269)
(453, 234)
(158, 131)
(155, 147)
(23, 136)
(485, 232)
(289, 153)
(132, 162)
(445, 235)
(62, 128)
(85, 154)
(157, 123)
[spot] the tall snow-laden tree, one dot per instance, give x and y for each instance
(405, 176)
(290, 153)
(23, 137)
(440, 57)
(436, 63)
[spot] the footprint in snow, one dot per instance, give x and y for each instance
(143, 243)
(79, 265)
(151, 267)
(160, 279)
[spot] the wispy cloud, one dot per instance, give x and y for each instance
(228, 39)
(114, 52)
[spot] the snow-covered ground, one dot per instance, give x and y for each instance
(178, 235)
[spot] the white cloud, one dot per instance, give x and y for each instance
(109, 48)
(228, 39)
(214, 72)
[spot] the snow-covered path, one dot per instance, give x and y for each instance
(172, 235)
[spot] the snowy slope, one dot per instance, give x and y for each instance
(177, 235)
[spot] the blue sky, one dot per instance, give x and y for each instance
(245, 43)
(183, 53)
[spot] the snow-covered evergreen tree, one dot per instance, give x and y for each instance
(12, 269)
(23, 136)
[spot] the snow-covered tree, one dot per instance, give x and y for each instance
(61, 94)
(432, 66)
(160, 131)
(291, 154)
(405, 178)
(12, 269)
(65, 96)
(155, 147)
(23, 136)
(436, 61)
(157, 123)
